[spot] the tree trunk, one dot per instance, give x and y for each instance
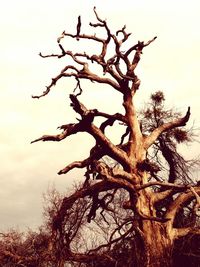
(61, 263)
(158, 244)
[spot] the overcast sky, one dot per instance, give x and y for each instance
(171, 64)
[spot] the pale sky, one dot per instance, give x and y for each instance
(171, 64)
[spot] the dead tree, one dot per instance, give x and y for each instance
(156, 230)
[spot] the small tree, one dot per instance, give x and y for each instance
(25, 249)
(155, 201)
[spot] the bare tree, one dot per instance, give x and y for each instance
(25, 249)
(130, 167)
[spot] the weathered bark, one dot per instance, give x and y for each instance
(158, 244)
(61, 263)
(156, 233)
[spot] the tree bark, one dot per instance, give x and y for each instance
(158, 244)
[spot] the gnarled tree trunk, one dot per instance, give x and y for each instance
(158, 244)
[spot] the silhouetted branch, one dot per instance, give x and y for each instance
(165, 127)
(175, 206)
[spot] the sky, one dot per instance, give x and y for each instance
(171, 64)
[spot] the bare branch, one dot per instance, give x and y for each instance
(140, 46)
(84, 36)
(78, 28)
(121, 179)
(164, 184)
(116, 116)
(68, 202)
(180, 232)
(126, 35)
(152, 218)
(85, 73)
(179, 202)
(75, 164)
(127, 132)
(57, 78)
(95, 154)
(113, 151)
(197, 206)
(69, 129)
(99, 203)
(135, 137)
(149, 140)
(159, 196)
(78, 85)
(112, 241)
